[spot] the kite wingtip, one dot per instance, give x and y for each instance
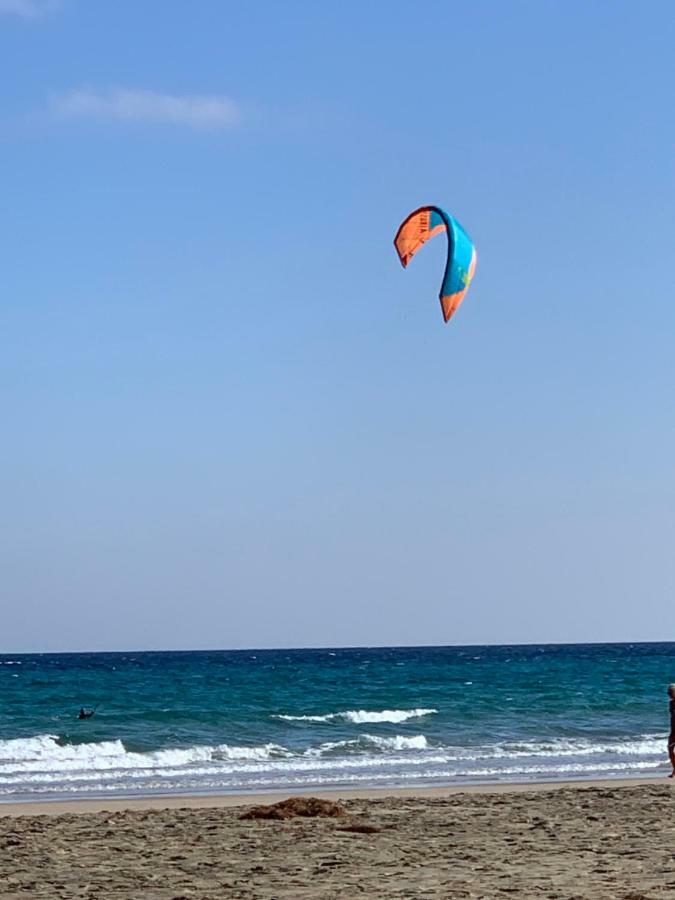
(404, 260)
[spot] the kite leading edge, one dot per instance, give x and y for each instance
(417, 229)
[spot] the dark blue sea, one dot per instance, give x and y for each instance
(234, 721)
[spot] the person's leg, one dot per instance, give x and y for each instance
(671, 754)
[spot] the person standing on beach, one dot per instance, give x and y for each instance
(671, 736)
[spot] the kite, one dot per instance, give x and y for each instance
(416, 230)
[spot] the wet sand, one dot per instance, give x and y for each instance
(606, 840)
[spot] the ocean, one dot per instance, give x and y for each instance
(267, 720)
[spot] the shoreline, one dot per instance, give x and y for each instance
(60, 806)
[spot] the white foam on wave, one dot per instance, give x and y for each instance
(364, 716)
(563, 770)
(317, 776)
(367, 743)
(267, 751)
(44, 753)
(45, 748)
(326, 718)
(399, 742)
(642, 745)
(41, 763)
(395, 716)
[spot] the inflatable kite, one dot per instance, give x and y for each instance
(416, 230)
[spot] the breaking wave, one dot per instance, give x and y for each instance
(368, 743)
(364, 716)
(45, 753)
(43, 764)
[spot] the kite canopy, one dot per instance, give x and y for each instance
(416, 230)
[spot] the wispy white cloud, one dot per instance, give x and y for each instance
(136, 105)
(27, 9)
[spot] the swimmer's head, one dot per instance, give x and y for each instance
(671, 691)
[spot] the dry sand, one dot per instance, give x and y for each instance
(605, 841)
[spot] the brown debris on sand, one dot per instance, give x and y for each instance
(360, 828)
(294, 807)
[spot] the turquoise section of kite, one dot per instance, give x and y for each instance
(417, 229)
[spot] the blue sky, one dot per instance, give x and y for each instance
(231, 418)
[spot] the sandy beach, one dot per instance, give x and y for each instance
(605, 840)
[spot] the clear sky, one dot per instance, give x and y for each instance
(229, 417)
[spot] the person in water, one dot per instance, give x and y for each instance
(88, 713)
(671, 736)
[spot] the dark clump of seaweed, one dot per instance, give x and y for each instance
(309, 807)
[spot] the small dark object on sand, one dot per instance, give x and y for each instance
(295, 806)
(361, 828)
